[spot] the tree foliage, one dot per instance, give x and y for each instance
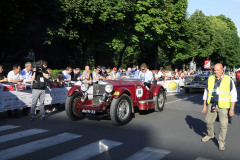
(115, 33)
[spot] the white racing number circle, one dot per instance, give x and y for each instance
(139, 92)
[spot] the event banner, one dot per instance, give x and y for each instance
(15, 97)
(170, 85)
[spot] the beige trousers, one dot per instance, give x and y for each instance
(223, 119)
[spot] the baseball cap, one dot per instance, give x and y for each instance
(104, 68)
(121, 68)
(114, 68)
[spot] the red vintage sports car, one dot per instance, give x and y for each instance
(117, 98)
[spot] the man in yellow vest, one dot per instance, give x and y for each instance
(220, 97)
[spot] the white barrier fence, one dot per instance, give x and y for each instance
(15, 96)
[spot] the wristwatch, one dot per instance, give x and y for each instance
(232, 109)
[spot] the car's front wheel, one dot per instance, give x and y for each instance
(121, 110)
(70, 106)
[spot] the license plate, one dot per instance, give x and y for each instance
(88, 111)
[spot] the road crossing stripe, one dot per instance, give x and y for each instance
(149, 153)
(21, 134)
(88, 151)
(202, 158)
(7, 127)
(36, 145)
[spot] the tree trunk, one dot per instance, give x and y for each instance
(121, 55)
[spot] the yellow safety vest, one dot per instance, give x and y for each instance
(224, 98)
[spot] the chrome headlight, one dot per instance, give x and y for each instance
(108, 88)
(84, 87)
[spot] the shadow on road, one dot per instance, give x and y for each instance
(197, 125)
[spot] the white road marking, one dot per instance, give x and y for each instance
(88, 151)
(202, 158)
(21, 134)
(149, 153)
(7, 127)
(36, 145)
(180, 99)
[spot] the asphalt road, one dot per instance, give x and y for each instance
(173, 134)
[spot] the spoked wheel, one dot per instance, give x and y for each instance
(70, 106)
(121, 110)
(160, 101)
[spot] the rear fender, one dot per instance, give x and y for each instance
(73, 89)
(157, 89)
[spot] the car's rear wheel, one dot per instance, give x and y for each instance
(121, 110)
(160, 101)
(70, 106)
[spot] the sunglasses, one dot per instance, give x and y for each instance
(143, 69)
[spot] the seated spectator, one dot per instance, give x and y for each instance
(86, 76)
(114, 74)
(67, 74)
(27, 73)
(108, 74)
(135, 71)
(2, 76)
(60, 82)
(120, 72)
(96, 75)
(103, 73)
(75, 76)
(129, 73)
(14, 76)
(49, 73)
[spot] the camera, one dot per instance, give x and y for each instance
(38, 66)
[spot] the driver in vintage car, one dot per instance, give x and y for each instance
(146, 75)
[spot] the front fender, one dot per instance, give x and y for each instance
(120, 91)
(73, 89)
(157, 89)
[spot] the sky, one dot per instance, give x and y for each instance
(229, 8)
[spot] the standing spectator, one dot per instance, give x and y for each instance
(238, 77)
(38, 91)
(96, 75)
(27, 73)
(60, 82)
(108, 74)
(75, 76)
(114, 73)
(219, 99)
(2, 77)
(160, 75)
(67, 74)
(14, 76)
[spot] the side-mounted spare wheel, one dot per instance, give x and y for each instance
(159, 100)
(121, 110)
(70, 106)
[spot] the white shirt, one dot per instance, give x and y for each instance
(160, 74)
(233, 93)
(147, 76)
(66, 76)
(12, 77)
(26, 75)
